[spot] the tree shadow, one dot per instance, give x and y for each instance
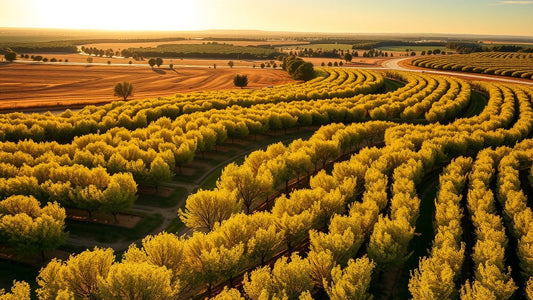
(159, 71)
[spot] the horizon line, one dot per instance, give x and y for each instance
(270, 31)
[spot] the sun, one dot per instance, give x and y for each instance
(120, 15)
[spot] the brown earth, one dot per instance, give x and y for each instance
(78, 58)
(123, 220)
(45, 85)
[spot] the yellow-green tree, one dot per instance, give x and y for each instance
(19, 291)
(352, 282)
(249, 187)
(79, 274)
(29, 228)
(137, 281)
(231, 294)
(264, 243)
(159, 172)
(529, 289)
(205, 209)
(287, 280)
(120, 194)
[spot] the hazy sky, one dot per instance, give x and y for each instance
(354, 16)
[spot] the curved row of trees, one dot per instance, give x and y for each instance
(356, 221)
(140, 113)
(494, 63)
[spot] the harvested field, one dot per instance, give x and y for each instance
(46, 85)
(78, 58)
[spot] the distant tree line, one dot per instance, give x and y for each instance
(99, 52)
(208, 50)
(368, 45)
(43, 47)
(11, 55)
(466, 48)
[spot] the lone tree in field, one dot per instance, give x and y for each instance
(151, 62)
(240, 80)
(124, 90)
(348, 57)
(230, 63)
(159, 61)
(10, 55)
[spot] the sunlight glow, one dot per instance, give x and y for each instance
(109, 14)
(344, 16)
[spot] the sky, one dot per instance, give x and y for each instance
(493, 17)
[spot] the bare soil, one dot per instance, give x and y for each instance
(123, 220)
(177, 61)
(45, 85)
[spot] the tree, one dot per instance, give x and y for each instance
(352, 282)
(19, 291)
(230, 64)
(124, 90)
(10, 55)
(231, 294)
(348, 57)
(211, 265)
(295, 227)
(264, 243)
(304, 72)
(389, 241)
(529, 288)
(240, 80)
(78, 275)
(152, 62)
(171, 66)
(287, 280)
(159, 172)
(205, 209)
(250, 187)
(164, 250)
(120, 194)
(262, 65)
(137, 281)
(29, 228)
(159, 61)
